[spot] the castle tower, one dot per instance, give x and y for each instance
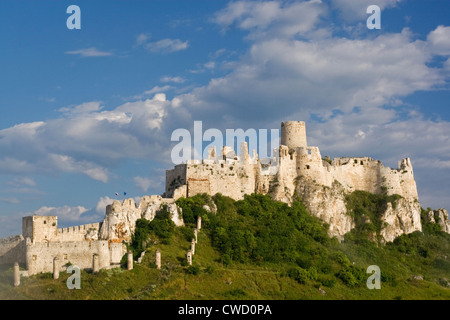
(40, 228)
(293, 134)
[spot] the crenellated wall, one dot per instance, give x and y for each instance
(79, 233)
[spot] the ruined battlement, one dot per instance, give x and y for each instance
(236, 175)
(79, 233)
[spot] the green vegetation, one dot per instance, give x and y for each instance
(161, 227)
(257, 248)
(366, 209)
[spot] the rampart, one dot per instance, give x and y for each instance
(39, 256)
(79, 233)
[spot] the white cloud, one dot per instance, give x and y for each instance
(142, 38)
(92, 140)
(10, 200)
(156, 89)
(87, 107)
(90, 52)
(210, 65)
(307, 77)
(173, 79)
(354, 10)
(65, 213)
(288, 73)
(167, 45)
(21, 181)
(142, 183)
(439, 40)
(102, 203)
(272, 18)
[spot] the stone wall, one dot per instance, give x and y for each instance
(40, 255)
(79, 233)
(175, 178)
(12, 249)
(40, 228)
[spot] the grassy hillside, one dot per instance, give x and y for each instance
(260, 249)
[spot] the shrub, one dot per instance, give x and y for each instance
(352, 276)
(326, 280)
(195, 270)
(162, 225)
(347, 277)
(365, 206)
(226, 260)
(298, 274)
(187, 233)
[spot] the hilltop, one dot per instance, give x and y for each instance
(257, 248)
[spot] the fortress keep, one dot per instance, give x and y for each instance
(296, 171)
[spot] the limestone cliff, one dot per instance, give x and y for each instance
(402, 217)
(120, 219)
(440, 216)
(327, 204)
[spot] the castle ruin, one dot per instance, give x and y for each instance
(296, 171)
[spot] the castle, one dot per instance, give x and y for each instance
(235, 176)
(296, 170)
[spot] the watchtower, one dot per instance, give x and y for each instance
(293, 134)
(40, 228)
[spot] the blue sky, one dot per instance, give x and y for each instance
(87, 113)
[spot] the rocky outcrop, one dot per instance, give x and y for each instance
(402, 217)
(440, 216)
(120, 219)
(327, 204)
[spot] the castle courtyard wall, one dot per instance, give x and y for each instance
(39, 256)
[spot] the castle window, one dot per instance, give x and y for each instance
(307, 166)
(356, 161)
(362, 163)
(45, 222)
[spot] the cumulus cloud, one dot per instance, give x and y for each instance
(152, 91)
(142, 183)
(439, 40)
(91, 140)
(354, 10)
(272, 18)
(282, 77)
(65, 213)
(100, 208)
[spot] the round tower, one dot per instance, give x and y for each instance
(293, 134)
